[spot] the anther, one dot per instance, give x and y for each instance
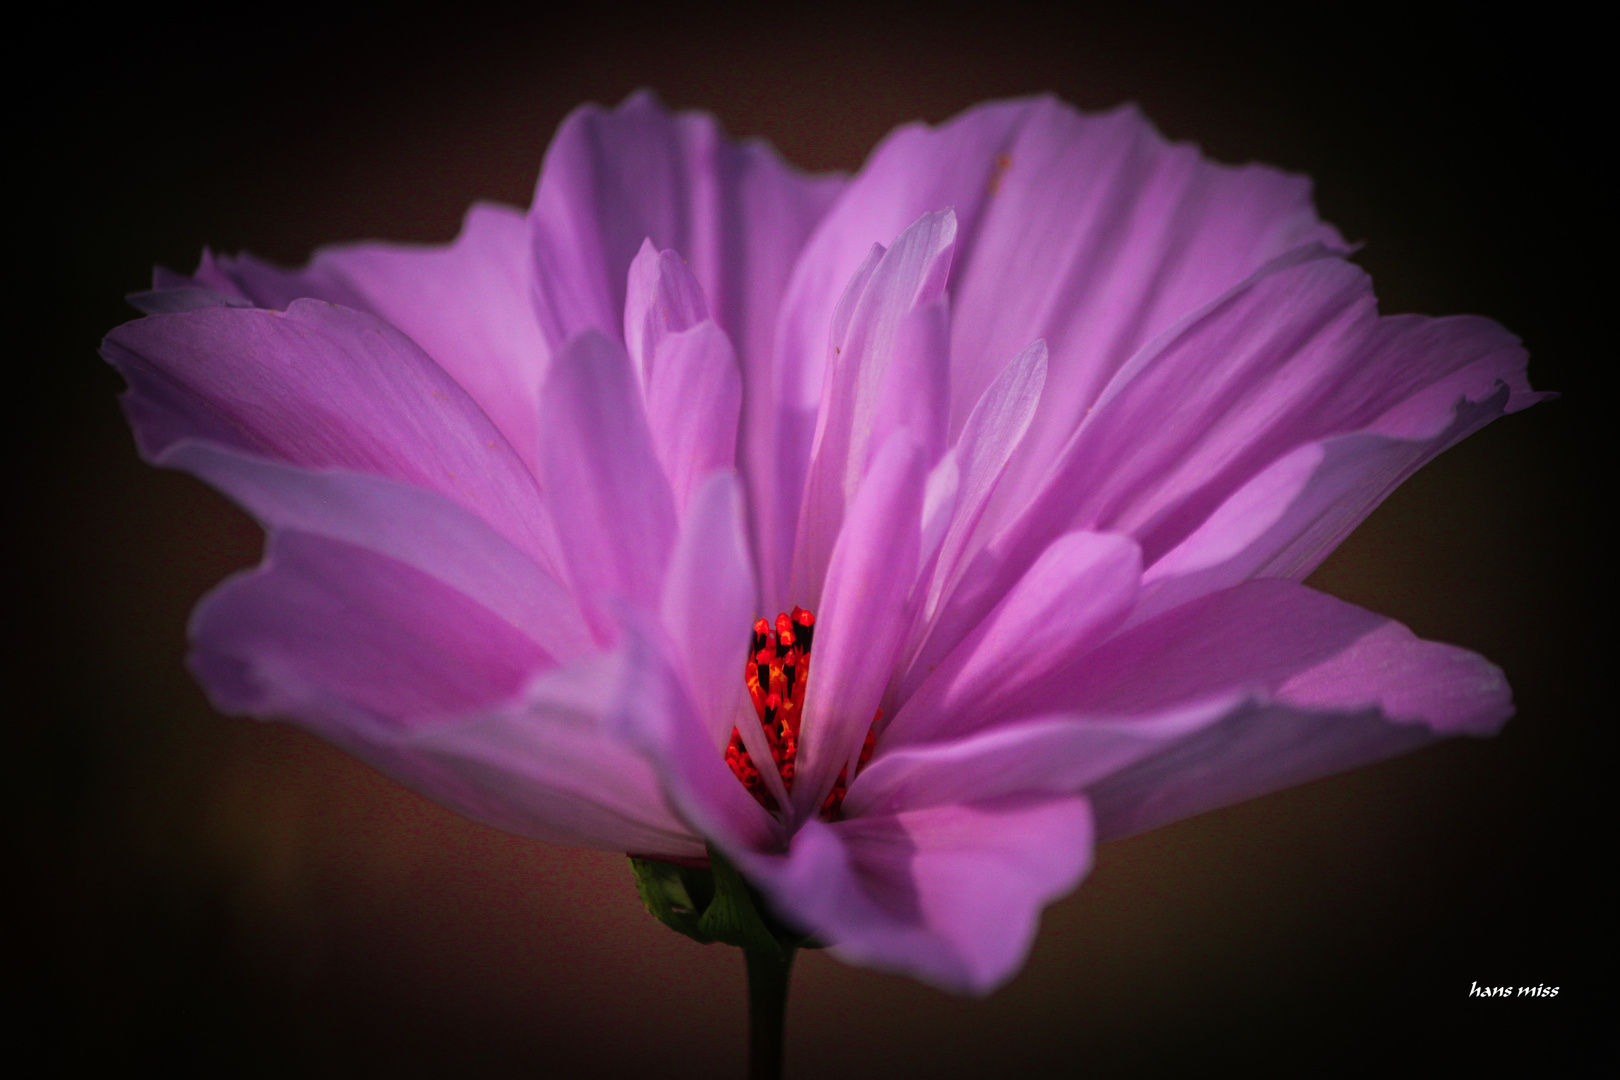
(777, 672)
(806, 623)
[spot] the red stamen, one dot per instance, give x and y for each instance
(776, 673)
(835, 798)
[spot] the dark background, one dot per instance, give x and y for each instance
(195, 893)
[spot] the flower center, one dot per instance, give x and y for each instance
(777, 671)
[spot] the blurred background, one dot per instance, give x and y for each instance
(197, 893)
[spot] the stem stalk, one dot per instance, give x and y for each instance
(767, 1008)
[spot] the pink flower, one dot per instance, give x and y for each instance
(1047, 468)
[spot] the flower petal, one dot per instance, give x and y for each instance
(1286, 520)
(1252, 753)
(910, 275)
(321, 386)
(614, 511)
(950, 895)
(655, 714)
(613, 179)
(1298, 354)
(173, 297)
(693, 405)
(1053, 755)
(738, 212)
(778, 452)
(266, 285)
(547, 766)
(915, 170)
(661, 297)
(1077, 593)
(992, 434)
(322, 624)
(469, 305)
(1150, 232)
(916, 387)
(1280, 637)
(862, 617)
(986, 444)
(1343, 687)
(709, 605)
(939, 507)
(543, 766)
(1295, 354)
(419, 528)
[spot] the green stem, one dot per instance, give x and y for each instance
(768, 974)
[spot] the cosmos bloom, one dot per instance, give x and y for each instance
(1028, 432)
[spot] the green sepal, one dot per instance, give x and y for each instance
(715, 904)
(674, 895)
